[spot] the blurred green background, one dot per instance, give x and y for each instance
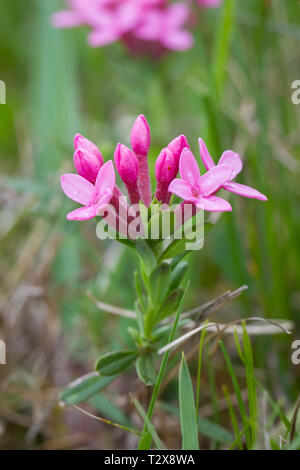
(233, 88)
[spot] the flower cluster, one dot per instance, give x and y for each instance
(139, 24)
(132, 21)
(94, 185)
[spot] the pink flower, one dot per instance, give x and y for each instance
(165, 171)
(197, 189)
(209, 3)
(127, 166)
(130, 21)
(93, 198)
(232, 160)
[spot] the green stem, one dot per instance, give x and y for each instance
(200, 355)
(146, 439)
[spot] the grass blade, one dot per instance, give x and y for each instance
(237, 390)
(189, 429)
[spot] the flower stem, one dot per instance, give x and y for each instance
(146, 439)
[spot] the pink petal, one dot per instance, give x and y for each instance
(209, 3)
(178, 40)
(214, 204)
(150, 27)
(83, 213)
(182, 189)
(176, 15)
(78, 189)
(245, 191)
(205, 156)
(233, 160)
(103, 37)
(87, 145)
(127, 16)
(65, 19)
(188, 167)
(106, 181)
(214, 179)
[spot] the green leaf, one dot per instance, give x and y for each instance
(146, 256)
(178, 246)
(178, 274)
(115, 362)
(170, 305)
(159, 282)
(188, 422)
(146, 369)
(84, 388)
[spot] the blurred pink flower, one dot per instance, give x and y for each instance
(197, 189)
(92, 197)
(232, 160)
(209, 3)
(133, 21)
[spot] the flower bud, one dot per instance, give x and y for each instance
(165, 167)
(165, 172)
(126, 163)
(86, 145)
(87, 164)
(127, 166)
(140, 136)
(176, 146)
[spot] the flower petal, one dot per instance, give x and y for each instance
(106, 180)
(103, 37)
(213, 204)
(182, 189)
(205, 155)
(244, 190)
(176, 15)
(83, 213)
(214, 179)
(78, 189)
(188, 167)
(177, 40)
(233, 160)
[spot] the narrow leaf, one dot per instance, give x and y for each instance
(84, 388)
(115, 362)
(146, 369)
(189, 429)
